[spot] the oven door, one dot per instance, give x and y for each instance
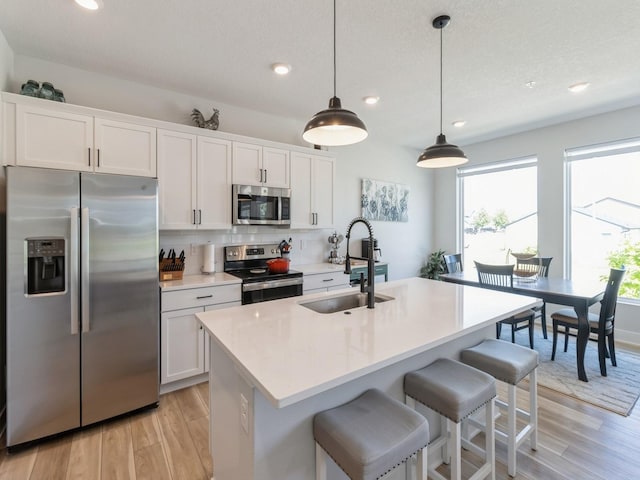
(271, 290)
(261, 205)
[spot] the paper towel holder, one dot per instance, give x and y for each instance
(208, 258)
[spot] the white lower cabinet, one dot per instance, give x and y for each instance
(184, 344)
(324, 282)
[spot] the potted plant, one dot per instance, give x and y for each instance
(434, 265)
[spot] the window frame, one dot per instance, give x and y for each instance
(588, 152)
(480, 169)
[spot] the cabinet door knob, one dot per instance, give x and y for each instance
(89, 149)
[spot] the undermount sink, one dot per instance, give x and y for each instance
(341, 303)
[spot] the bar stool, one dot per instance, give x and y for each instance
(510, 363)
(455, 391)
(370, 436)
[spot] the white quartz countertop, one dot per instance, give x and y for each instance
(196, 281)
(291, 353)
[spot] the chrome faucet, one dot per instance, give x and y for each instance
(369, 289)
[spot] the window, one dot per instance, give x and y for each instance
(604, 212)
(498, 207)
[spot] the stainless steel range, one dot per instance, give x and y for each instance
(249, 263)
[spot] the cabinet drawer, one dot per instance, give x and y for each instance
(198, 297)
(325, 280)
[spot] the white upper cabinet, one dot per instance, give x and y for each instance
(194, 181)
(51, 138)
(261, 166)
(125, 148)
(176, 180)
(312, 191)
(214, 183)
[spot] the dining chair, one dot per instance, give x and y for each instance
(502, 276)
(453, 262)
(542, 264)
(601, 324)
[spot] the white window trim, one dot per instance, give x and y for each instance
(472, 170)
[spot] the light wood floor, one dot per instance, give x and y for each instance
(576, 441)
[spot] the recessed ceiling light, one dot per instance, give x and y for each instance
(530, 84)
(579, 87)
(281, 68)
(90, 4)
(371, 100)
(459, 123)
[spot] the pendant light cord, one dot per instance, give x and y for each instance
(440, 80)
(334, 48)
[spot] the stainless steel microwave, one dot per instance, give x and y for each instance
(254, 205)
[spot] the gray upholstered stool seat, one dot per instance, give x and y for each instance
(505, 361)
(450, 388)
(370, 436)
(455, 391)
(510, 363)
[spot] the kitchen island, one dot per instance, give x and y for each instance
(275, 364)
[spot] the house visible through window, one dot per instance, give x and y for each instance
(603, 185)
(498, 204)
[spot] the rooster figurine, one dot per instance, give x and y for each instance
(198, 118)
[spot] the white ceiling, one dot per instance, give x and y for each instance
(223, 49)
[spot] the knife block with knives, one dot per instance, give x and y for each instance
(171, 267)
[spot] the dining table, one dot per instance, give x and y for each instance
(579, 294)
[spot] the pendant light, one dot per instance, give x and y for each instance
(442, 154)
(334, 126)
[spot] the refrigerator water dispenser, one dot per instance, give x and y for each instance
(45, 265)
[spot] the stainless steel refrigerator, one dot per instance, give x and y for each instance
(81, 299)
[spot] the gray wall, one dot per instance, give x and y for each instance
(6, 63)
(548, 144)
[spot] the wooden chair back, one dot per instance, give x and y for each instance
(541, 262)
(453, 262)
(610, 298)
(497, 275)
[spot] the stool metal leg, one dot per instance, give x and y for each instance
(321, 463)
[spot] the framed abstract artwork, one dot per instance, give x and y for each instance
(384, 201)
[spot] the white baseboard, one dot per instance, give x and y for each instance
(184, 383)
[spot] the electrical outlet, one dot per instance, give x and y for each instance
(244, 413)
(194, 249)
(303, 245)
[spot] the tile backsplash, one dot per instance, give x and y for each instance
(309, 246)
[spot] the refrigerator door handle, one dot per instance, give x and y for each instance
(84, 255)
(74, 234)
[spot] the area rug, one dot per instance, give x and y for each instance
(617, 392)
